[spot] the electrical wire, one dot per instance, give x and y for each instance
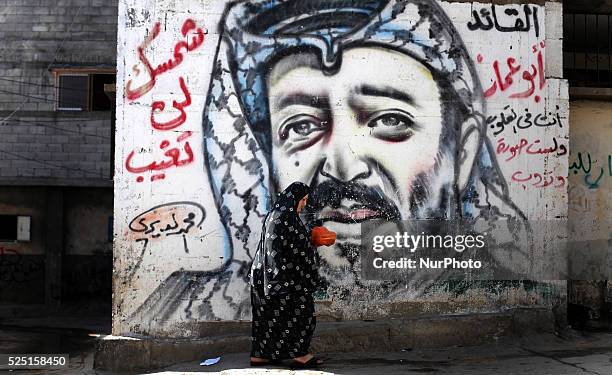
(42, 85)
(60, 129)
(60, 45)
(38, 120)
(27, 96)
(38, 97)
(7, 118)
(52, 165)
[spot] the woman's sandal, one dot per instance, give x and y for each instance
(266, 363)
(311, 363)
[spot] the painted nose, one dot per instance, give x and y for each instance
(343, 161)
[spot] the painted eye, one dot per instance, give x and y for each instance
(394, 126)
(391, 119)
(301, 126)
(304, 127)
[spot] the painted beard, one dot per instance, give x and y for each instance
(432, 197)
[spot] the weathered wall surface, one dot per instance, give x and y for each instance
(22, 265)
(590, 172)
(38, 35)
(41, 147)
(88, 216)
(56, 148)
(85, 258)
(38, 143)
(426, 109)
(590, 187)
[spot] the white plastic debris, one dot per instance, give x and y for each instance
(210, 361)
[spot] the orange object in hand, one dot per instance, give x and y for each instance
(321, 236)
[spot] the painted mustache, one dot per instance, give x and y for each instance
(325, 203)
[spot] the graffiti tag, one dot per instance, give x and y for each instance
(530, 148)
(492, 20)
(506, 118)
(529, 74)
(169, 219)
(180, 48)
(174, 159)
(585, 165)
(159, 106)
(538, 180)
(15, 268)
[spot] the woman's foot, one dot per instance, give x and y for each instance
(306, 361)
(304, 358)
(256, 361)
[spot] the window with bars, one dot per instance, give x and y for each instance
(587, 49)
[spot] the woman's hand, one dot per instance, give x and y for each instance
(321, 236)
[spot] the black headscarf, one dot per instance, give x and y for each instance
(286, 202)
(284, 261)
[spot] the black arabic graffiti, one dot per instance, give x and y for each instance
(531, 13)
(169, 219)
(15, 268)
(509, 117)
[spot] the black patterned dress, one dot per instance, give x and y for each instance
(283, 278)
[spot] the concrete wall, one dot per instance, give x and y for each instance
(41, 147)
(590, 187)
(22, 263)
(590, 180)
(78, 255)
(54, 148)
(88, 260)
(38, 144)
(38, 36)
(197, 163)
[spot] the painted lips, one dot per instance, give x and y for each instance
(344, 215)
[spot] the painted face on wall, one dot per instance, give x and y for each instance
(365, 140)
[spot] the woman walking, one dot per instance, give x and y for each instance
(283, 278)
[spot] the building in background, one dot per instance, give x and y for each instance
(587, 61)
(55, 153)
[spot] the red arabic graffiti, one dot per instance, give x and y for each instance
(159, 106)
(174, 155)
(531, 148)
(533, 75)
(157, 117)
(538, 180)
(180, 48)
